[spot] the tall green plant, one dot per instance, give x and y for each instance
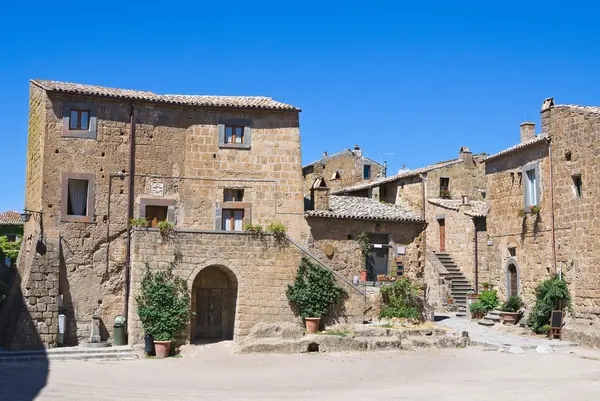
(489, 299)
(401, 300)
(314, 291)
(550, 295)
(163, 304)
(364, 243)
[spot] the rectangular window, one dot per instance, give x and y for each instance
(233, 195)
(77, 193)
(233, 219)
(577, 186)
(444, 183)
(531, 188)
(234, 134)
(79, 119)
(366, 171)
(156, 214)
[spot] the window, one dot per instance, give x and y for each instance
(155, 214)
(531, 188)
(383, 191)
(11, 237)
(234, 134)
(233, 195)
(336, 176)
(233, 219)
(366, 171)
(77, 197)
(79, 120)
(577, 186)
(445, 187)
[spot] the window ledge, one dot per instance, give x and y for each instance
(234, 146)
(78, 219)
(79, 134)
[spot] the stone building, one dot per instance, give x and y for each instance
(342, 169)
(99, 157)
(543, 198)
(450, 198)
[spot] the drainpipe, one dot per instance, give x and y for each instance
(130, 200)
(476, 257)
(552, 208)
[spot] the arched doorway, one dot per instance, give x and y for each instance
(214, 298)
(512, 280)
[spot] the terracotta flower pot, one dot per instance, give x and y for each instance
(312, 324)
(363, 275)
(510, 318)
(162, 348)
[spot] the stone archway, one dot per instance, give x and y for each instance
(512, 278)
(214, 299)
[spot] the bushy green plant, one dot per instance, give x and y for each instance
(163, 304)
(255, 229)
(550, 295)
(277, 228)
(9, 249)
(314, 291)
(545, 329)
(514, 304)
(165, 227)
(140, 222)
(445, 194)
(489, 299)
(401, 300)
(477, 308)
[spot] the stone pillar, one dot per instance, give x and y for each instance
(466, 155)
(527, 131)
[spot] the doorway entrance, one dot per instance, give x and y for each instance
(214, 298)
(377, 259)
(512, 280)
(442, 223)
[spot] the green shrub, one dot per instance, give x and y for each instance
(255, 229)
(314, 291)
(489, 299)
(477, 308)
(545, 329)
(514, 304)
(163, 304)
(277, 228)
(550, 295)
(401, 300)
(140, 222)
(165, 227)
(9, 249)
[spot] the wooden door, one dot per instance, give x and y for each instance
(512, 272)
(442, 223)
(209, 307)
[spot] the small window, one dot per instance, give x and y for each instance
(79, 120)
(234, 134)
(156, 214)
(366, 171)
(531, 189)
(577, 186)
(336, 176)
(233, 195)
(233, 219)
(77, 197)
(444, 183)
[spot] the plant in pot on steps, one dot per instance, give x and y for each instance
(163, 306)
(365, 247)
(477, 310)
(510, 310)
(313, 294)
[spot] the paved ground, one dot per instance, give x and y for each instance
(214, 374)
(492, 336)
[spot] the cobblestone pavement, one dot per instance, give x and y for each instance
(491, 336)
(214, 374)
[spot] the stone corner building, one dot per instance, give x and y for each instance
(209, 165)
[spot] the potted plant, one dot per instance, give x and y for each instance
(510, 310)
(477, 310)
(313, 293)
(163, 306)
(382, 277)
(486, 286)
(449, 300)
(365, 247)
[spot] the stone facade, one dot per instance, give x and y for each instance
(341, 169)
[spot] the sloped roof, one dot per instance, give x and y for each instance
(358, 208)
(341, 153)
(522, 145)
(244, 102)
(478, 208)
(10, 218)
(404, 174)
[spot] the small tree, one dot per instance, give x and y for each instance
(314, 291)
(550, 294)
(163, 304)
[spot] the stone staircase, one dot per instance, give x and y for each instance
(460, 285)
(69, 354)
(490, 319)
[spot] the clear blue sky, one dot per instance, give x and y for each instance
(418, 79)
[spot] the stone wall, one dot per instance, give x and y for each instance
(528, 234)
(262, 267)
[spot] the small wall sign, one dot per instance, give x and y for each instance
(401, 250)
(157, 189)
(490, 242)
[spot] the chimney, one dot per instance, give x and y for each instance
(320, 194)
(546, 113)
(527, 131)
(324, 155)
(357, 151)
(465, 154)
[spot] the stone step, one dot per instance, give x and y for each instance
(493, 318)
(485, 322)
(69, 354)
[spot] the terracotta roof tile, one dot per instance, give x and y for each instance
(478, 208)
(10, 218)
(522, 145)
(358, 208)
(245, 102)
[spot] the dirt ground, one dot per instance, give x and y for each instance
(213, 373)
